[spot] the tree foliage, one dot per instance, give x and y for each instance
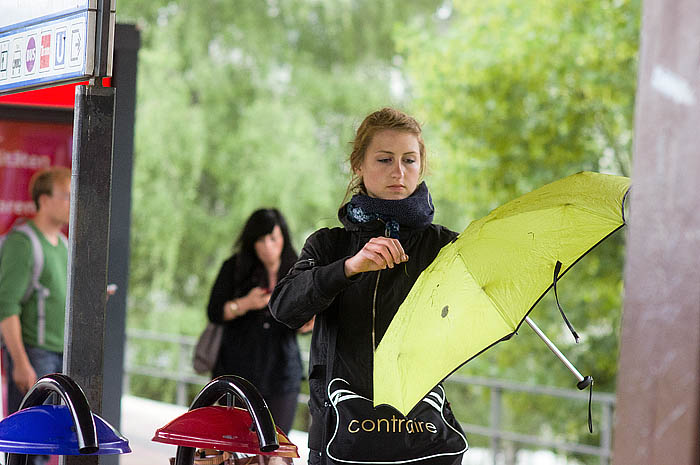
(241, 106)
(520, 94)
(253, 103)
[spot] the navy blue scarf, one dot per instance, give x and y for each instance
(413, 212)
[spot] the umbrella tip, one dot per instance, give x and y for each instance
(584, 383)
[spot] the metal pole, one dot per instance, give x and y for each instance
(606, 431)
(127, 42)
(91, 189)
(496, 403)
(554, 349)
(91, 179)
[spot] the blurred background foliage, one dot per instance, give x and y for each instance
(254, 103)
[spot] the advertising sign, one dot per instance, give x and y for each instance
(25, 148)
(46, 42)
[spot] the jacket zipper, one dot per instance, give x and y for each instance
(387, 233)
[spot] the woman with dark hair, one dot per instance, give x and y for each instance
(255, 346)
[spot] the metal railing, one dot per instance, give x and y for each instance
(183, 375)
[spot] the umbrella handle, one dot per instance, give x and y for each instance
(583, 383)
(556, 351)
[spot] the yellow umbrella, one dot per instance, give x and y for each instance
(481, 287)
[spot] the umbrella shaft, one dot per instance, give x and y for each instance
(553, 348)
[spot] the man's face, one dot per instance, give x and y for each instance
(57, 205)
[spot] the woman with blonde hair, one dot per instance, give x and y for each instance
(352, 279)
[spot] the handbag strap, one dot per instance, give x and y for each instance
(332, 336)
(330, 354)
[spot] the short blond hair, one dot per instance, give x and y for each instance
(43, 182)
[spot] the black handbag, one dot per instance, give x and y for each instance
(363, 434)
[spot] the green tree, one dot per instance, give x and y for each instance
(232, 99)
(241, 105)
(518, 94)
(253, 103)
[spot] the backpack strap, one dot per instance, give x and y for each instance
(64, 239)
(42, 293)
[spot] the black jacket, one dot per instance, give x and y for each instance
(255, 345)
(317, 285)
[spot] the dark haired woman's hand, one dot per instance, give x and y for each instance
(377, 254)
(256, 299)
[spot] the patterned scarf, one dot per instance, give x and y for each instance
(413, 212)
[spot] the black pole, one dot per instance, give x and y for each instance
(126, 45)
(91, 178)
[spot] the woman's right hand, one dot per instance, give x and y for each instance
(377, 254)
(256, 299)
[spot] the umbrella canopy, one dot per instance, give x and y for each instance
(481, 287)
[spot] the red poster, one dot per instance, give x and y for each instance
(26, 147)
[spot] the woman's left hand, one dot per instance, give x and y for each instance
(308, 326)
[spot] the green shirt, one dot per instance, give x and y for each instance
(16, 266)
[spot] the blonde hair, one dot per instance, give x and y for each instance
(386, 118)
(42, 182)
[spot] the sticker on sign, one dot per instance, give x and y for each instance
(48, 42)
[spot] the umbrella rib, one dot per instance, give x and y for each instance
(496, 305)
(500, 311)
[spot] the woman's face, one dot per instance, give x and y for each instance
(269, 247)
(390, 169)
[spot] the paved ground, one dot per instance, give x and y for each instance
(142, 417)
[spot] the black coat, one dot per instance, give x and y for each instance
(255, 345)
(317, 285)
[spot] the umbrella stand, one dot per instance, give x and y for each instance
(583, 382)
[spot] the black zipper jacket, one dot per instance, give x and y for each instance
(255, 345)
(317, 286)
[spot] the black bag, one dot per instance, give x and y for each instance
(207, 348)
(362, 434)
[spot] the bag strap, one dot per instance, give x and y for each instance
(332, 336)
(330, 353)
(62, 237)
(38, 258)
(42, 292)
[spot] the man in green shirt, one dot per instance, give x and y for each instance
(33, 335)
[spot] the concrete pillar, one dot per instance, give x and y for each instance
(658, 388)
